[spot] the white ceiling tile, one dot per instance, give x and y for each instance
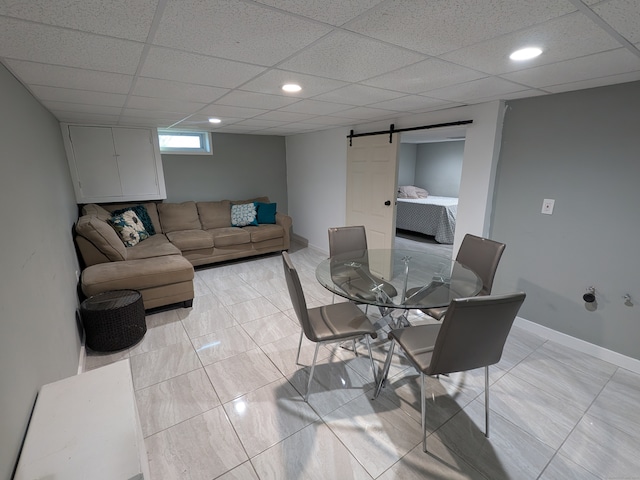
(115, 18)
(230, 111)
(282, 116)
(163, 104)
(623, 15)
(260, 123)
(82, 108)
(329, 120)
(410, 103)
(56, 94)
(151, 87)
(235, 128)
(315, 107)
(349, 57)
(164, 117)
(485, 87)
(271, 82)
(567, 37)
(56, 76)
(423, 76)
(593, 66)
(239, 98)
(435, 27)
(358, 95)
(156, 122)
(75, 117)
(596, 82)
(165, 64)
(365, 113)
(334, 12)
(235, 29)
(40, 43)
(202, 122)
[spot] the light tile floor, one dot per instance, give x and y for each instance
(219, 396)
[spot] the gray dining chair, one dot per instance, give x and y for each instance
(471, 335)
(327, 324)
(346, 240)
(481, 255)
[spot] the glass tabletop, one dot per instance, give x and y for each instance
(396, 278)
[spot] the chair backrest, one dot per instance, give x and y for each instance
(297, 296)
(473, 332)
(346, 239)
(482, 256)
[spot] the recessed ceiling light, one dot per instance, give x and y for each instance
(291, 87)
(215, 120)
(525, 53)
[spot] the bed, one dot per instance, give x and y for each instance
(435, 216)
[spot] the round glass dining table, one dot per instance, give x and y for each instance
(398, 279)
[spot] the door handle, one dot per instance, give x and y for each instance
(387, 203)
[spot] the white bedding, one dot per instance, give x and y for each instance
(435, 216)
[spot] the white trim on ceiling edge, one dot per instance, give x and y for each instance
(596, 351)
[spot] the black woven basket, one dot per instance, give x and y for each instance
(113, 320)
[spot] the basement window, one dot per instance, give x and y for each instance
(184, 142)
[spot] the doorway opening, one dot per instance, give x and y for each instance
(429, 174)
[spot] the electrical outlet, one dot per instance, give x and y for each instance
(547, 206)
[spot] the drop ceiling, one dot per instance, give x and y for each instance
(175, 63)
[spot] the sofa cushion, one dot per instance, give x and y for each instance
(265, 232)
(214, 214)
(243, 215)
(156, 246)
(179, 216)
(225, 237)
(103, 236)
(96, 210)
(136, 274)
(191, 239)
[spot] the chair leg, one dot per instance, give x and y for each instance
(373, 367)
(385, 369)
(313, 367)
(299, 347)
(423, 406)
(486, 401)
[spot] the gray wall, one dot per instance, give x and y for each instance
(39, 340)
(439, 167)
(583, 150)
(242, 167)
(407, 164)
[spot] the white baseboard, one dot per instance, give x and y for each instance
(602, 353)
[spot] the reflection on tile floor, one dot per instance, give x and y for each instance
(220, 397)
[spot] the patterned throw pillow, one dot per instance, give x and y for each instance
(129, 227)
(243, 215)
(141, 212)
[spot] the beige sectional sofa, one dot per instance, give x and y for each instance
(187, 234)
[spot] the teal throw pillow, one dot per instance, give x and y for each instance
(129, 227)
(266, 212)
(243, 214)
(142, 214)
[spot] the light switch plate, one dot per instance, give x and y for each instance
(547, 206)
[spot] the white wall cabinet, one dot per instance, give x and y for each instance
(113, 164)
